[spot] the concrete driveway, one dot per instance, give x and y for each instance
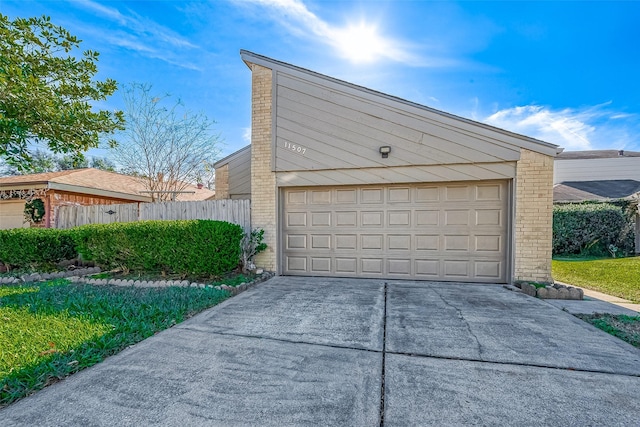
(313, 351)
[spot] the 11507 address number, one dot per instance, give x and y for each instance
(295, 148)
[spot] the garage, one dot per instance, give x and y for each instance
(449, 232)
(347, 181)
(12, 214)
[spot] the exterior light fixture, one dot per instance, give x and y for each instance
(385, 150)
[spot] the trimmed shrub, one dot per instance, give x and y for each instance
(592, 229)
(195, 247)
(35, 247)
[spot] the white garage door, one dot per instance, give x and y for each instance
(12, 214)
(452, 231)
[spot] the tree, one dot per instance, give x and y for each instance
(46, 92)
(165, 145)
(43, 161)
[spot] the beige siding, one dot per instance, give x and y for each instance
(408, 174)
(325, 128)
(596, 169)
(12, 214)
(240, 176)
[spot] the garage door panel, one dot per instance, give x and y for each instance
(296, 264)
(399, 218)
(297, 197)
(492, 192)
(321, 241)
(399, 266)
(450, 231)
(296, 241)
(372, 219)
(346, 242)
(372, 195)
(371, 241)
(427, 194)
(296, 219)
(488, 243)
(347, 265)
(320, 265)
(427, 218)
(428, 242)
(372, 266)
(427, 268)
(321, 219)
(456, 217)
(488, 269)
(456, 269)
(347, 219)
(399, 242)
(321, 197)
(346, 196)
(488, 217)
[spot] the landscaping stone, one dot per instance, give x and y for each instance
(561, 292)
(528, 289)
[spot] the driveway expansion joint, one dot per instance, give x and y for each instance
(282, 340)
(497, 362)
(384, 351)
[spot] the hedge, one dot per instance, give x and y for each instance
(35, 247)
(193, 247)
(196, 247)
(596, 229)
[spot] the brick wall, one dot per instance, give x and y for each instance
(222, 182)
(263, 180)
(533, 217)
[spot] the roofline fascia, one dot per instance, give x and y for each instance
(228, 158)
(23, 186)
(275, 65)
(98, 192)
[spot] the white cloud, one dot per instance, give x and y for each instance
(142, 35)
(573, 129)
(246, 135)
(359, 42)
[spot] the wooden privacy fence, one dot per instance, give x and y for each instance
(234, 211)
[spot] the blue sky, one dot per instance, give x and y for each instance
(564, 72)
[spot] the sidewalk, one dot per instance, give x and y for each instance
(596, 302)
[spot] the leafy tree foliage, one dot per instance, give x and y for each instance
(42, 161)
(46, 92)
(165, 145)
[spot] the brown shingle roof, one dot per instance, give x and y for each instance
(596, 154)
(595, 190)
(96, 179)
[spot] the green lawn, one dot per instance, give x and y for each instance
(626, 328)
(53, 329)
(618, 276)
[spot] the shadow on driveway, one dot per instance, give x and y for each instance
(356, 352)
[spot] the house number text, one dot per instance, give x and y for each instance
(295, 148)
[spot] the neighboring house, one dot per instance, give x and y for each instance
(598, 175)
(596, 165)
(350, 182)
(77, 187)
(233, 175)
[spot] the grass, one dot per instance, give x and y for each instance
(626, 328)
(614, 276)
(53, 329)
